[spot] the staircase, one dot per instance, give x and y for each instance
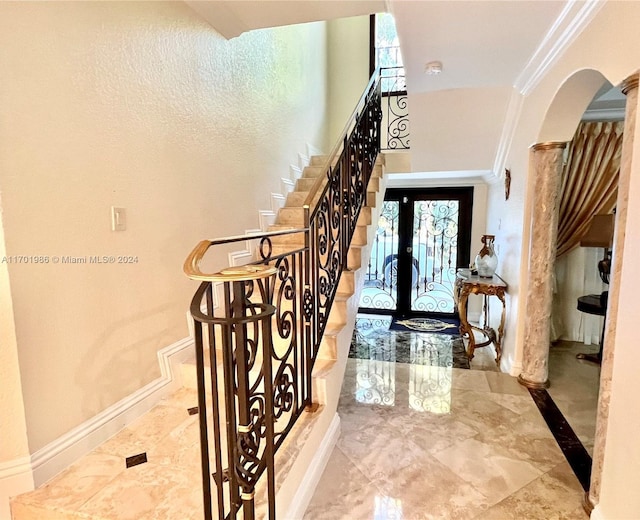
(271, 380)
(300, 462)
(291, 216)
(168, 486)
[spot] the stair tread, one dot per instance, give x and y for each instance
(334, 329)
(322, 367)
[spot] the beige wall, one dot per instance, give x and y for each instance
(348, 69)
(12, 420)
(141, 106)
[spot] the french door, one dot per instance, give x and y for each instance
(423, 236)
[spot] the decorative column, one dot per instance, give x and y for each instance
(630, 88)
(547, 168)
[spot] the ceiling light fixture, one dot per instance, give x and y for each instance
(433, 68)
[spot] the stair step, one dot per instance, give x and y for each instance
(318, 160)
(354, 257)
(290, 216)
(312, 172)
(291, 239)
(329, 344)
(347, 282)
(359, 236)
(296, 199)
(364, 219)
(305, 184)
(371, 199)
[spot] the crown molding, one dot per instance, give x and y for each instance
(514, 109)
(604, 114)
(575, 16)
(440, 179)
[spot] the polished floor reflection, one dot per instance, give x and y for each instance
(421, 442)
(373, 340)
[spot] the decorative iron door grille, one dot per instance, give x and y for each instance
(423, 236)
(380, 289)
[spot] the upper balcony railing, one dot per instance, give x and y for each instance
(395, 109)
(267, 332)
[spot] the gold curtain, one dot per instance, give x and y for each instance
(589, 180)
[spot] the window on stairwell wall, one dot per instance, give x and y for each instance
(385, 53)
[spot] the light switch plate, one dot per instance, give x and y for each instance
(118, 219)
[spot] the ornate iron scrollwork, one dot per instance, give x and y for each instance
(267, 376)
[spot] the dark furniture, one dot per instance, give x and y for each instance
(595, 304)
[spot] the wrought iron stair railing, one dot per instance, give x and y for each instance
(267, 332)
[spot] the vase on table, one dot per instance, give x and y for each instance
(486, 260)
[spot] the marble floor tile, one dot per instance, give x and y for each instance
(149, 491)
(493, 469)
(574, 388)
(377, 452)
(341, 480)
(144, 433)
(500, 383)
(470, 379)
(418, 441)
(484, 359)
(428, 489)
(76, 485)
(467, 460)
(555, 495)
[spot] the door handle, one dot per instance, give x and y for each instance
(409, 249)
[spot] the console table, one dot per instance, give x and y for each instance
(467, 284)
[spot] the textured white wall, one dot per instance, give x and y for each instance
(142, 106)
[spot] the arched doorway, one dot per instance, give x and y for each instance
(559, 124)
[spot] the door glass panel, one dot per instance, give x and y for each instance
(380, 289)
(435, 253)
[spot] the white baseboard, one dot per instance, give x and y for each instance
(288, 185)
(15, 477)
(303, 160)
(64, 451)
(311, 478)
(295, 172)
(312, 150)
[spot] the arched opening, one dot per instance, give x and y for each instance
(580, 289)
(561, 120)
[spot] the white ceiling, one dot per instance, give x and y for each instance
(233, 17)
(480, 43)
(486, 47)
